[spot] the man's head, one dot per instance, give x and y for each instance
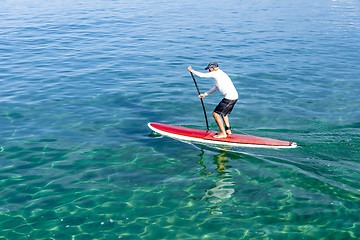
(212, 66)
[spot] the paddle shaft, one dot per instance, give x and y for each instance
(202, 103)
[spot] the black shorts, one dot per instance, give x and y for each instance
(225, 106)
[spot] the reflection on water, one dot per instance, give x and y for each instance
(223, 186)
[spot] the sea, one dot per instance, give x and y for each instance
(80, 80)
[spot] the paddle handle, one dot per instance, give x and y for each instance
(202, 102)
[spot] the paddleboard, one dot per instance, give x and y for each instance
(203, 136)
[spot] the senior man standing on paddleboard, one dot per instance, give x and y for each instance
(228, 90)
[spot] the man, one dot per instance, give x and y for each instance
(228, 90)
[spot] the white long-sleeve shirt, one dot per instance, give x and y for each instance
(222, 82)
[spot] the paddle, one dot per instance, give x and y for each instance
(207, 124)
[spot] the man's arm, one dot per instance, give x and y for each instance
(199, 74)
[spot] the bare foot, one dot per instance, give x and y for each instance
(228, 132)
(220, 135)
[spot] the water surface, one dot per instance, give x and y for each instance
(80, 80)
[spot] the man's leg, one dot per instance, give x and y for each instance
(220, 124)
(227, 124)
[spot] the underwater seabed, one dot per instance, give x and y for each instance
(270, 187)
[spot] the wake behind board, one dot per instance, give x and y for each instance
(203, 136)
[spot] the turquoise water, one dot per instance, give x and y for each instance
(80, 80)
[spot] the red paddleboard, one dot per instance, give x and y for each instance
(203, 136)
